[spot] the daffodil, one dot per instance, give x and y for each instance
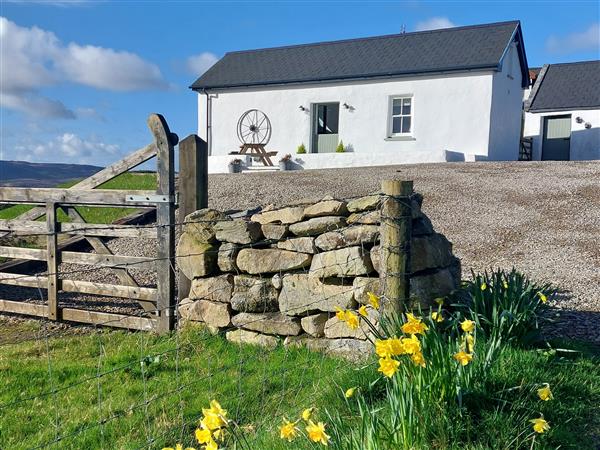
(340, 314)
(437, 316)
(483, 286)
(545, 393)
(212, 445)
(414, 325)
(540, 425)
(470, 342)
(388, 366)
(363, 311)
(411, 345)
(373, 300)
(177, 447)
(439, 301)
(463, 358)
(542, 297)
(316, 432)
(203, 435)
(468, 326)
(352, 320)
(212, 421)
(505, 285)
(288, 430)
(307, 413)
(349, 392)
(418, 359)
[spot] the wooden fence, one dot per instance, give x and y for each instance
(158, 303)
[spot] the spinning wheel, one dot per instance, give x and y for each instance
(254, 132)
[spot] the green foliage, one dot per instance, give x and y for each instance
(505, 304)
(301, 149)
(340, 148)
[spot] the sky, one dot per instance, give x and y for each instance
(79, 78)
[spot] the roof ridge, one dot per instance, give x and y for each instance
(574, 63)
(383, 36)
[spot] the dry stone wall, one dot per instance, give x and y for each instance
(278, 275)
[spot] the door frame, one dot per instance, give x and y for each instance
(545, 131)
(314, 125)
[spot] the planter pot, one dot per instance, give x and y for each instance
(235, 168)
(284, 165)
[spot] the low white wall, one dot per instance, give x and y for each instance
(451, 111)
(585, 142)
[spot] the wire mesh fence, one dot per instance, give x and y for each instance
(100, 388)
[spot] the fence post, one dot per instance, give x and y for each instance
(193, 188)
(165, 218)
(396, 232)
(52, 260)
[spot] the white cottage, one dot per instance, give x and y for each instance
(430, 96)
(562, 112)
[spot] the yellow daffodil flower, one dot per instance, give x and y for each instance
(177, 447)
(215, 407)
(414, 325)
(316, 432)
(545, 393)
(505, 285)
(352, 320)
(411, 345)
(363, 311)
(288, 430)
(418, 359)
(340, 314)
(470, 343)
(349, 392)
(483, 286)
(212, 421)
(437, 316)
(373, 300)
(463, 358)
(542, 297)
(388, 366)
(468, 326)
(540, 425)
(212, 445)
(203, 435)
(307, 413)
(389, 347)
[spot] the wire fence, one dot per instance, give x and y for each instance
(99, 388)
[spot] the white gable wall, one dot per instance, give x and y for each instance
(507, 103)
(451, 113)
(585, 142)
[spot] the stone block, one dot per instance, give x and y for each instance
(317, 225)
(326, 208)
(299, 244)
(430, 252)
(365, 218)
(270, 260)
(227, 256)
(302, 293)
(349, 236)
(288, 215)
(216, 289)
(427, 287)
(274, 231)
(367, 203)
(268, 323)
(315, 325)
(251, 338)
(345, 262)
(363, 285)
(254, 294)
(238, 231)
(195, 258)
(354, 350)
(201, 224)
(215, 314)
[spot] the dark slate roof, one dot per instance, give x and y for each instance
(450, 49)
(566, 86)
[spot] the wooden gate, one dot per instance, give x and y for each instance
(158, 303)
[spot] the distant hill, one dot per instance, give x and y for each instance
(26, 174)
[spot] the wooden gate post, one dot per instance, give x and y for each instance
(193, 188)
(52, 260)
(396, 232)
(165, 218)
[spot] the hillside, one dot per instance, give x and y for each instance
(26, 174)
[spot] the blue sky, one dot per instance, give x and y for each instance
(79, 78)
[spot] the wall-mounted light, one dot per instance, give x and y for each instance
(588, 125)
(579, 120)
(302, 108)
(346, 105)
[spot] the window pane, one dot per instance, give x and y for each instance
(396, 124)
(406, 104)
(396, 106)
(406, 124)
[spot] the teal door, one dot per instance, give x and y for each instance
(556, 142)
(325, 127)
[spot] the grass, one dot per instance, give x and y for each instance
(133, 406)
(159, 403)
(128, 180)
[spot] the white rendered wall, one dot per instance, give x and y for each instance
(585, 143)
(451, 115)
(507, 107)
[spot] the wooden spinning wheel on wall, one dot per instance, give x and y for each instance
(254, 132)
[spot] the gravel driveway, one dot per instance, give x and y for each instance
(541, 217)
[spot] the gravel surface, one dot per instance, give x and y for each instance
(541, 217)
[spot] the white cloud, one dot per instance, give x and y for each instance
(434, 23)
(587, 40)
(67, 147)
(33, 58)
(198, 64)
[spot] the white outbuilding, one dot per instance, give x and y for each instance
(432, 96)
(562, 113)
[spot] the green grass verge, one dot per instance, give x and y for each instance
(128, 180)
(133, 406)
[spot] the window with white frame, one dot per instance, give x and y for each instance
(401, 112)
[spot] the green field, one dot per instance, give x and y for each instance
(90, 391)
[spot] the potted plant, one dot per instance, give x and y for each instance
(340, 148)
(284, 163)
(235, 165)
(301, 149)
